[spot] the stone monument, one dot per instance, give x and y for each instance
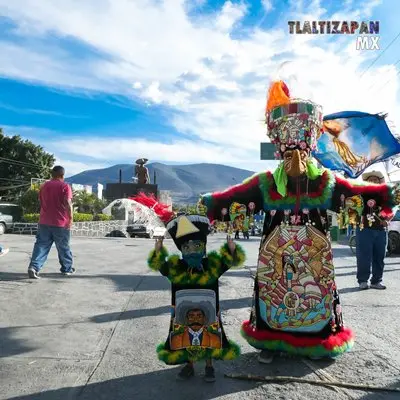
(141, 176)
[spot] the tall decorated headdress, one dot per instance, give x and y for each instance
(292, 123)
(189, 227)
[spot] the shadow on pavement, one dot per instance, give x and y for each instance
(13, 276)
(162, 384)
(153, 312)
(384, 395)
(342, 252)
(355, 272)
(125, 282)
(159, 384)
(10, 346)
(349, 290)
(238, 273)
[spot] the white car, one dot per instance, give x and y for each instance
(394, 234)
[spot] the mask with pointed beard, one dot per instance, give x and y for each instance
(295, 162)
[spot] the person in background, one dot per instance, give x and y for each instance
(371, 241)
(3, 251)
(56, 217)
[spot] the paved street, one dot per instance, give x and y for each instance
(93, 335)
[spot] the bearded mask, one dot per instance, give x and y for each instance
(295, 162)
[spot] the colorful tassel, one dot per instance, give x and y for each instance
(194, 354)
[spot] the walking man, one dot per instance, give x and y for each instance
(56, 217)
(371, 241)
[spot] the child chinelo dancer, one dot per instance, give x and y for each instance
(196, 332)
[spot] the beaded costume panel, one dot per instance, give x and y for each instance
(295, 279)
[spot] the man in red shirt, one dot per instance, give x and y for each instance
(55, 222)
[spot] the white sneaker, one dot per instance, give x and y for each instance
(3, 252)
(266, 357)
(363, 286)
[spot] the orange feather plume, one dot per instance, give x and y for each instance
(278, 95)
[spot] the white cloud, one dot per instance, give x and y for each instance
(74, 167)
(153, 92)
(267, 4)
(124, 150)
(215, 85)
(230, 14)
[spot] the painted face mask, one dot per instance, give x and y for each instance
(295, 162)
(193, 253)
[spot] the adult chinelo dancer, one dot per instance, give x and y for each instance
(296, 307)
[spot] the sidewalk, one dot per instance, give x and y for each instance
(93, 335)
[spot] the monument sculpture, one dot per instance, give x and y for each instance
(141, 176)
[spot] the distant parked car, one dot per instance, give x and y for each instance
(140, 230)
(394, 234)
(9, 213)
(137, 230)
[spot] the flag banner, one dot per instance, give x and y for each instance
(352, 141)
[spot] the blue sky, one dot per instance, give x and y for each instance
(100, 83)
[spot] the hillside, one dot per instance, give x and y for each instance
(185, 182)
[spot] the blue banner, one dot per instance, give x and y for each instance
(353, 140)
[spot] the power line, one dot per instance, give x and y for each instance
(376, 92)
(13, 180)
(398, 61)
(380, 55)
(14, 187)
(17, 162)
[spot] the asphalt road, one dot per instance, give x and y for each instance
(93, 335)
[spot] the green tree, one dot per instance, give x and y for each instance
(85, 202)
(29, 201)
(21, 160)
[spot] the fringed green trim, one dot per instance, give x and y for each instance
(182, 275)
(156, 260)
(194, 354)
(306, 351)
(274, 201)
(235, 260)
(281, 180)
(173, 261)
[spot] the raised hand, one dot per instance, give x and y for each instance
(159, 244)
(231, 244)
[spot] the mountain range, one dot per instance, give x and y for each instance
(185, 182)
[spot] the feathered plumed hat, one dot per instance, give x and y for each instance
(189, 227)
(161, 210)
(292, 123)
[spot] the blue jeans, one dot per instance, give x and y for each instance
(46, 236)
(371, 247)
